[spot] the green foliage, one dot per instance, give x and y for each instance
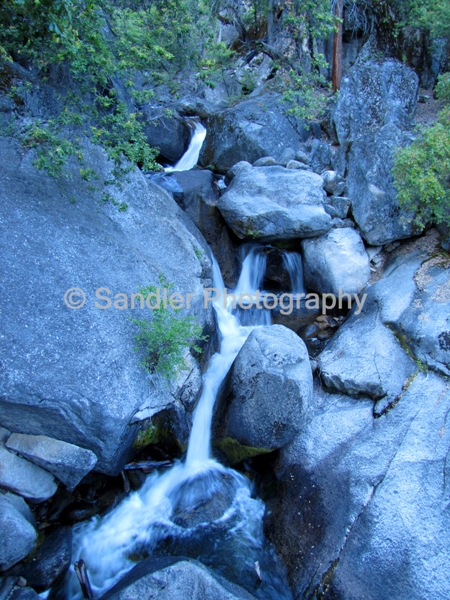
(95, 41)
(422, 170)
(164, 339)
(53, 150)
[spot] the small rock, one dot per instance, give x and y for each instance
(67, 462)
(268, 389)
(235, 169)
(302, 157)
(333, 183)
(25, 593)
(16, 530)
(266, 161)
(4, 435)
(295, 164)
(320, 156)
(25, 478)
(288, 155)
(51, 560)
(336, 262)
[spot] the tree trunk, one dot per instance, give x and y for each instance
(270, 16)
(337, 47)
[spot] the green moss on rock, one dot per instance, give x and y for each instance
(237, 452)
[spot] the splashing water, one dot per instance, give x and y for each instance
(190, 157)
(109, 544)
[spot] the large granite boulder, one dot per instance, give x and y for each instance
(248, 131)
(371, 186)
(336, 263)
(361, 509)
(373, 117)
(268, 389)
(373, 94)
(274, 203)
(72, 374)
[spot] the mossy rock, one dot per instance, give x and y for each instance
(237, 452)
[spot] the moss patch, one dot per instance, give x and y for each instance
(150, 435)
(237, 452)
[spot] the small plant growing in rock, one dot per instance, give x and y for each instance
(162, 340)
(422, 170)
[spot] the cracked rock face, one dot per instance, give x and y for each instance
(362, 509)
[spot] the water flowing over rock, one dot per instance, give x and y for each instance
(65, 375)
(174, 511)
(171, 134)
(373, 117)
(274, 203)
(268, 390)
(248, 131)
(336, 263)
(190, 157)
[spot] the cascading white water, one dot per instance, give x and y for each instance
(107, 544)
(190, 157)
(293, 264)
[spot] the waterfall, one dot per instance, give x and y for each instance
(190, 157)
(293, 264)
(107, 544)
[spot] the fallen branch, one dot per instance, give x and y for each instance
(81, 573)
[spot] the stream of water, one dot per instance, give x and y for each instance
(198, 506)
(190, 157)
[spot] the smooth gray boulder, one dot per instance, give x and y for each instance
(336, 263)
(252, 129)
(243, 164)
(274, 203)
(373, 94)
(72, 374)
(362, 503)
(66, 462)
(359, 360)
(371, 186)
(24, 478)
(267, 391)
(16, 530)
(172, 578)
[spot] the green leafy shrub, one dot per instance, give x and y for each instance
(164, 339)
(422, 170)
